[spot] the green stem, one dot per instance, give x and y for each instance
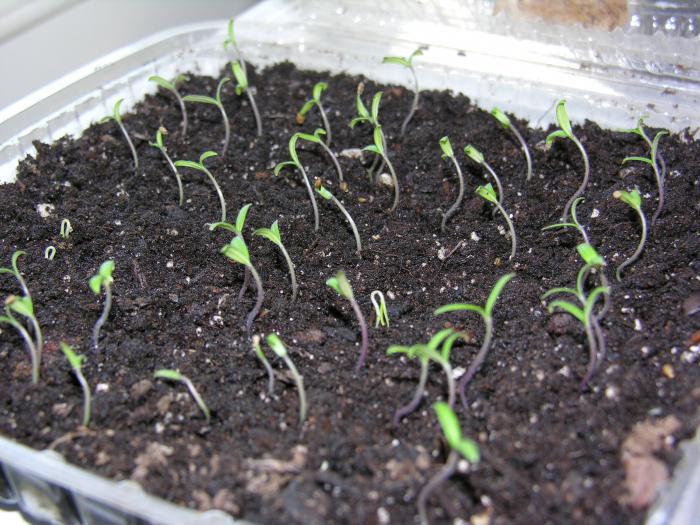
(87, 397)
(526, 151)
(292, 273)
(299, 380)
(180, 191)
(358, 242)
(453, 209)
(103, 318)
(584, 183)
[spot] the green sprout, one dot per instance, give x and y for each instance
(231, 41)
(203, 99)
(172, 87)
(426, 353)
(199, 166)
(297, 164)
(257, 350)
(327, 195)
(237, 251)
(23, 305)
(50, 253)
(102, 279)
(487, 193)
(242, 87)
(237, 229)
(378, 149)
(272, 234)
(277, 346)
(486, 313)
(478, 157)
(76, 363)
(459, 446)
(174, 375)
(634, 201)
(566, 132)
(654, 160)
(371, 117)
(316, 139)
(448, 153)
(380, 309)
(316, 92)
(14, 271)
(504, 121)
(66, 229)
(573, 224)
(158, 144)
(116, 117)
(407, 63)
(340, 284)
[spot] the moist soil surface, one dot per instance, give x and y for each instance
(552, 453)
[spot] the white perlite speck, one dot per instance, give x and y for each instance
(474, 237)
(44, 210)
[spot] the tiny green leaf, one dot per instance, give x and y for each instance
(189, 164)
(323, 192)
(575, 311)
(632, 198)
(362, 112)
(74, 360)
(293, 149)
(496, 292)
(240, 76)
(202, 99)
(378, 141)
(453, 433)
(563, 119)
(206, 155)
(310, 138)
(375, 107)
(396, 60)
(460, 307)
(305, 109)
(237, 251)
(340, 284)
(638, 159)
(280, 166)
(276, 344)
(219, 88)
(172, 375)
(240, 218)
(162, 82)
(319, 88)
(446, 147)
(20, 305)
(501, 117)
(117, 116)
(474, 154)
(272, 234)
(589, 254)
(554, 135)
(486, 192)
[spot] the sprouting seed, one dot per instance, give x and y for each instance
(379, 149)
(257, 350)
(459, 446)
(18, 305)
(565, 131)
(407, 63)
(237, 251)
(174, 375)
(66, 229)
(486, 313)
(316, 139)
(76, 363)
(504, 121)
(102, 279)
(116, 117)
(327, 195)
(573, 224)
(478, 157)
(159, 145)
(272, 234)
(199, 166)
(297, 164)
(339, 283)
(277, 346)
(242, 87)
(316, 92)
(634, 201)
(487, 193)
(203, 99)
(50, 253)
(380, 309)
(172, 87)
(448, 153)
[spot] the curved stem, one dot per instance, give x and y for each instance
(227, 130)
(496, 180)
(299, 380)
(607, 302)
(592, 354)
(256, 113)
(103, 318)
(526, 151)
(417, 396)
(131, 147)
(600, 339)
(476, 364)
(292, 273)
(87, 397)
(395, 181)
(370, 171)
(638, 251)
(258, 304)
(180, 191)
(414, 105)
(36, 362)
(660, 185)
(183, 110)
(311, 195)
(326, 126)
(244, 286)
(197, 398)
(38, 338)
(453, 209)
(450, 383)
(513, 240)
(334, 159)
(363, 331)
(584, 183)
(438, 479)
(222, 202)
(358, 242)
(270, 373)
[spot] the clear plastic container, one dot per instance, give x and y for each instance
(523, 66)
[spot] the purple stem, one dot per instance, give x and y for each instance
(363, 329)
(417, 396)
(258, 304)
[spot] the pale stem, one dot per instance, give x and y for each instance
(639, 249)
(513, 240)
(438, 479)
(311, 196)
(334, 159)
(244, 286)
(131, 146)
(496, 180)
(39, 338)
(600, 339)
(584, 183)
(450, 382)
(258, 304)
(87, 397)
(36, 363)
(184, 112)
(417, 396)
(222, 202)
(414, 105)
(363, 331)
(660, 185)
(358, 242)
(180, 191)
(526, 151)
(453, 209)
(268, 369)
(478, 361)
(592, 354)
(326, 126)
(396, 182)
(197, 398)
(256, 113)
(227, 129)
(299, 380)
(103, 318)
(292, 273)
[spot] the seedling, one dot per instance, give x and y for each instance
(426, 353)
(340, 284)
(14, 271)
(378, 149)
(504, 121)
(380, 310)
(371, 117)
(448, 153)
(237, 251)
(486, 313)
(316, 139)
(407, 63)
(242, 87)
(66, 229)
(237, 229)
(102, 279)
(316, 92)
(327, 195)
(297, 164)
(76, 363)
(116, 117)
(272, 234)
(487, 193)
(257, 350)
(459, 446)
(566, 132)
(172, 87)
(573, 224)
(199, 166)
(231, 41)
(203, 99)
(174, 375)
(50, 253)
(478, 157)
(634, 201)
(655, 161)
(277, 346)
(158, 144)
(13, 304)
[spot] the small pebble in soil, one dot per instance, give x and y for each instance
(691, 304)
(668, 371)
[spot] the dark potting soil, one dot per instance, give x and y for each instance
(551, 453)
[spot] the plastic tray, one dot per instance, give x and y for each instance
(522, 66)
